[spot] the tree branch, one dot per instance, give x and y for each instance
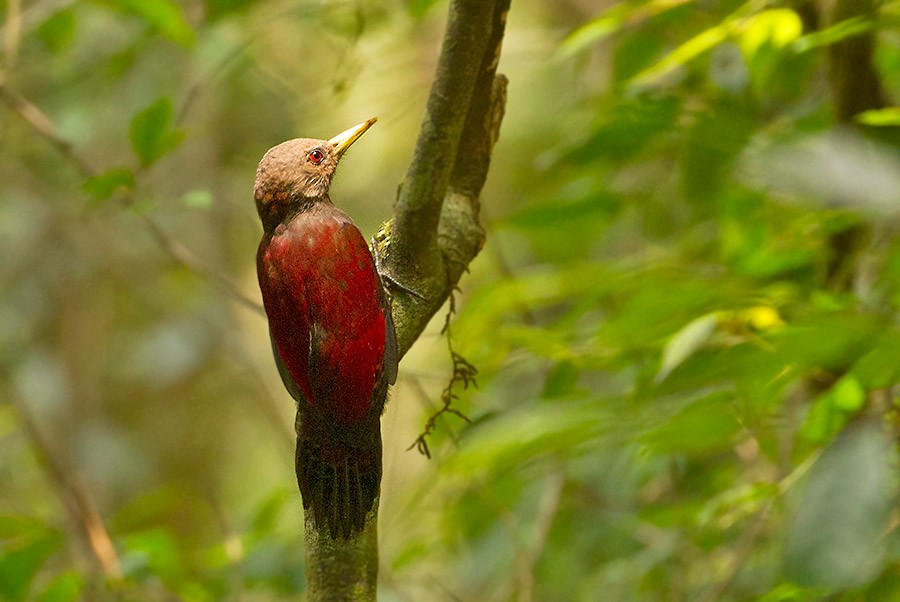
(853, 77)
(429, 263)
(342, 569)
(44, 126)
(856, 87)
(78, 504)
(418, 207)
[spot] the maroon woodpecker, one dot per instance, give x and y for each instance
(331, 328)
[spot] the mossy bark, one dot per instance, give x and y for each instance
(338, 569)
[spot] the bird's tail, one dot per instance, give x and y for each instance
(338, 482)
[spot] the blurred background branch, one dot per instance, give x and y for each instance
(855, 82)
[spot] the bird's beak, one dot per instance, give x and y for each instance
(342, 141)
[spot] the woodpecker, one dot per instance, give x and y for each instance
(331, 329)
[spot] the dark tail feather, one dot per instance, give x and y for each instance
(339, 484)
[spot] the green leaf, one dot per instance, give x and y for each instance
(58, 31)
(685, 343)
(64, 588)
(835, 33)
(879, 369)
(834, 409)
(103, 186)
(822, 421)
(25, 544)
(766, 42)
(501, 443)
(734, 505)
(151, 133)
(148, 509)
(835, 537)
(880, 117)
(163, 16)
(151, 552)
(563, 214)
(713, 143)
(561, 380)
(685, 53)
(269, 511)
(625, 14)
(199, 198)
(848, 395)
(419, 8)
(636, 52)
(776, 28)
(702, 426)
(627, 127)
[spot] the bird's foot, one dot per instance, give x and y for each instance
(399, 285)
(386, 276)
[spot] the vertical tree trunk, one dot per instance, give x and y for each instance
(338, 569)
(431, 239)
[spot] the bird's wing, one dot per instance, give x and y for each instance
(289, 383)
(348, 338)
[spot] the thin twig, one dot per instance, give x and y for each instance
(13, 32)
(180, 254)
(44, 126)
(184, 257)
(75, 499)
(741, 552)
(426, 400)
(548, 507)
(463, 373)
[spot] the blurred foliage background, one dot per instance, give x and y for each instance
(685, 317)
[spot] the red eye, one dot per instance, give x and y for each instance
(315, 156)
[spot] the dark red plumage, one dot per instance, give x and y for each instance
(331, 328)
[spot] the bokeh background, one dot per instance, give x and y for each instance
(685, 316)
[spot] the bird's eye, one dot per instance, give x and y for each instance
(315, 156)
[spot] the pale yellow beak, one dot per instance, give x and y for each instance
(342, 141)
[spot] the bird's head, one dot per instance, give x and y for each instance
(296, 174)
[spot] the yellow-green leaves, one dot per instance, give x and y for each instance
(619, 16)
(880, 117)
(771, 28)
(835, 33)
(762, 36)
(699, 44)
(766, 42)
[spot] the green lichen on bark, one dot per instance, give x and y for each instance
(342, 569)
